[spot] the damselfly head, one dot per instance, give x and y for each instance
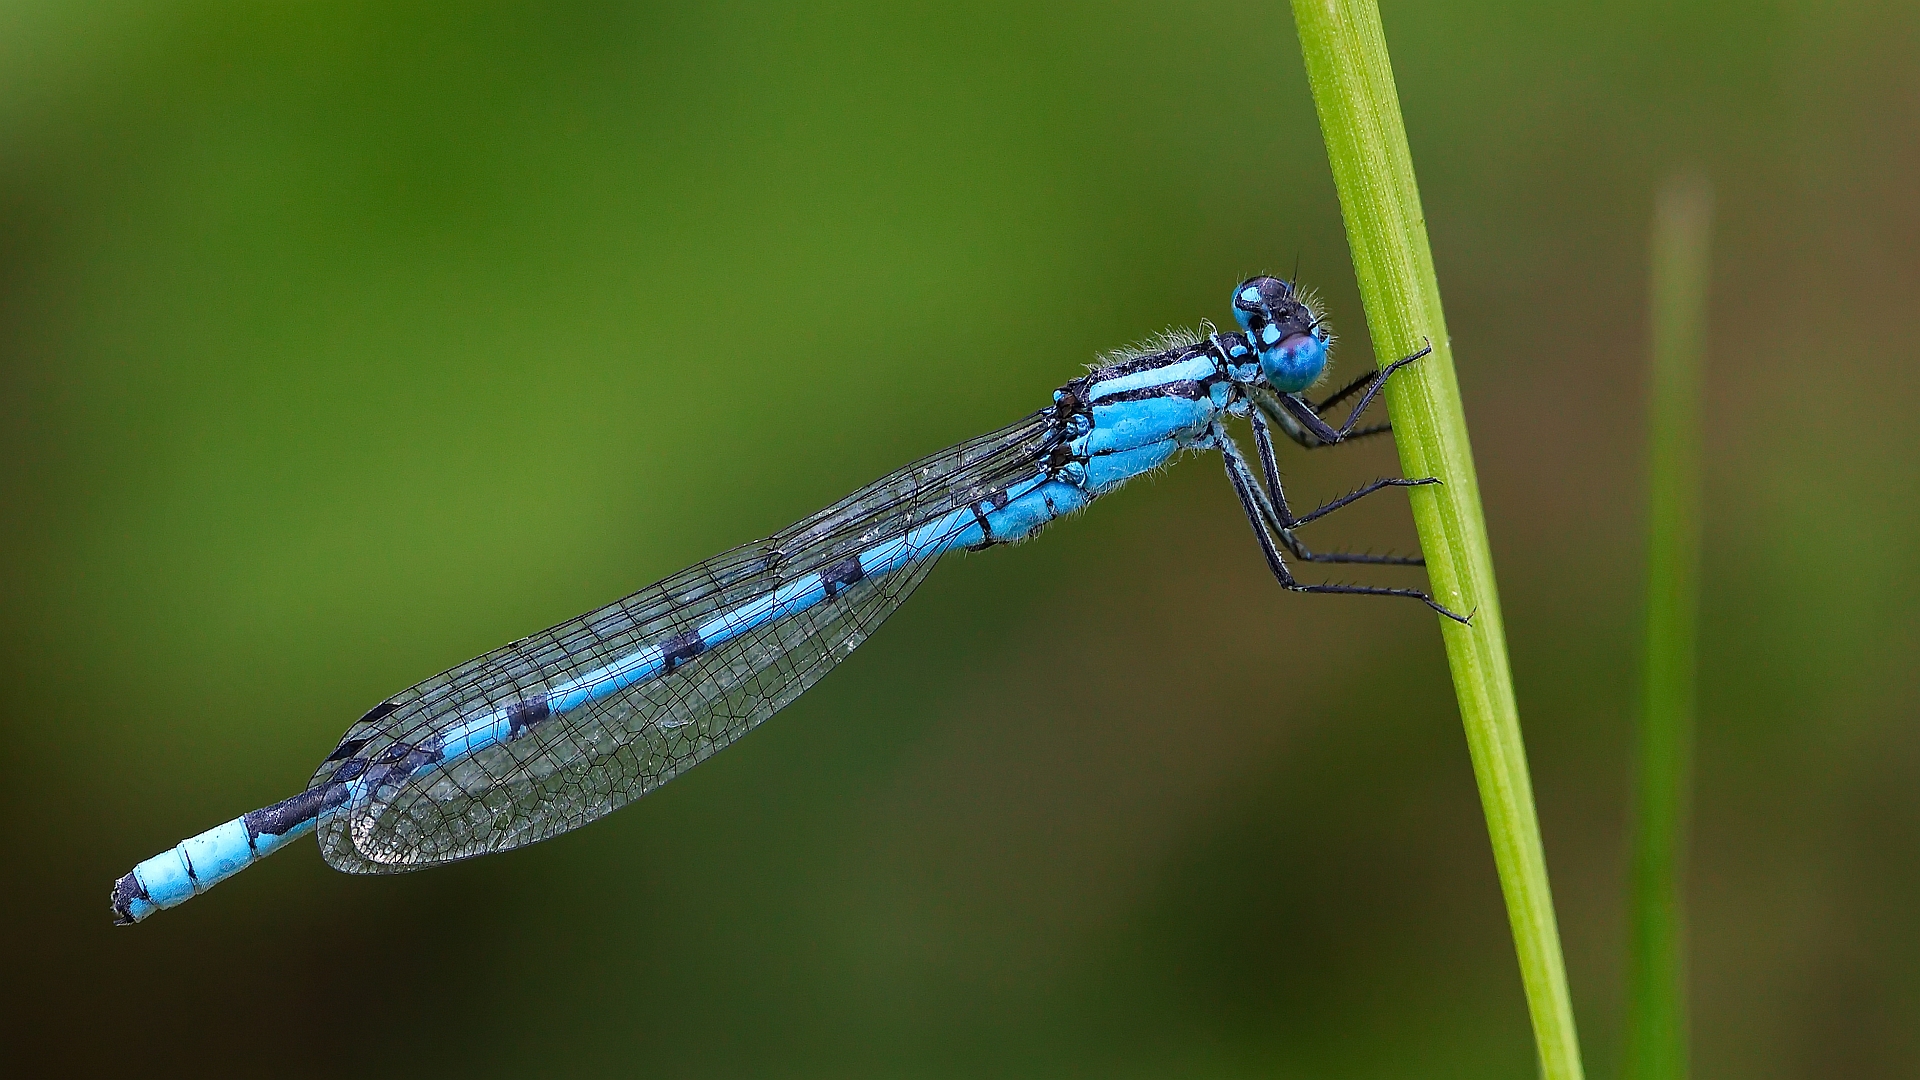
(1281, 325)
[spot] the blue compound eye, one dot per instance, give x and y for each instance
(1294, 362)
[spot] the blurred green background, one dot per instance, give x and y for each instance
(339, 343)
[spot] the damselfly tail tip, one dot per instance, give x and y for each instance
(129, 898)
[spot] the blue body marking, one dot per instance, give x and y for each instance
(557, 729)
(1141, 423)
(1109, 471)
(1199, 364)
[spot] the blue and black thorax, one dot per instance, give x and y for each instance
(1134, 411)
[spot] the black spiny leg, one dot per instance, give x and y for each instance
(1242, 482)
(1314, 431)
(1281, 519)
(1336, 398)
(1344, 392)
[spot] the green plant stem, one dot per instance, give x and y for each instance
(1656, 1044)
(1353, 90)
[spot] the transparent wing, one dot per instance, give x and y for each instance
(580, 764)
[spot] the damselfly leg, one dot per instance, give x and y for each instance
(1301, 419)
(1301, 436)
(1263, 515)
(1283, 522)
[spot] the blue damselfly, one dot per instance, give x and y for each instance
(557, 729)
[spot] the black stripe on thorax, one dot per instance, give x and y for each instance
(1187, 389)
(1138, 364)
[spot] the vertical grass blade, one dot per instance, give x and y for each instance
(1353, 90)
(1656, 1043)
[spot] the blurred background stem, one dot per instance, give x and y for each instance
(1353, 91)
(1656, 1043)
